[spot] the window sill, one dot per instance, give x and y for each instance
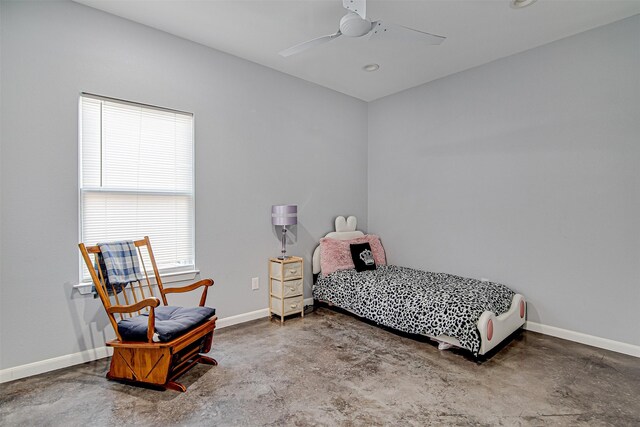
(84, 288)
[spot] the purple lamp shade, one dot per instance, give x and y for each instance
(284, 214)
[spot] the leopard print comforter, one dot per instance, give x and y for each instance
(415, 301)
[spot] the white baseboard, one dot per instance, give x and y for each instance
(52, 364)
(607, 344)
(42, 366)
(241, 318)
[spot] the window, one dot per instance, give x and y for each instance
(136, 178)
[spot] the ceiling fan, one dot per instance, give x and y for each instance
(356, 24)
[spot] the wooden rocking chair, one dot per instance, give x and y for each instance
(149, 362)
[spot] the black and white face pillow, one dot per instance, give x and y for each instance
(362, 257)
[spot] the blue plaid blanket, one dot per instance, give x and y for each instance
(119, 261)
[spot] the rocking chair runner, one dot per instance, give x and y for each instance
(151, 362)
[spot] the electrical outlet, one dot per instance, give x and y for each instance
(255, 283)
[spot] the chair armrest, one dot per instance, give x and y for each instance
(205, 282)
(187, 288)
(147, 302)
(152, 303)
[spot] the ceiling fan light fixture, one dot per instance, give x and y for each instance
(371, 67)
(519, 4)
(353, 25)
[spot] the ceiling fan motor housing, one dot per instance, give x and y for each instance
(353, 25)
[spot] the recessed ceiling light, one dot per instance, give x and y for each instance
(371, 67)
(519, 4)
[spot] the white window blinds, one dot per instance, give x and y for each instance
(136, 178)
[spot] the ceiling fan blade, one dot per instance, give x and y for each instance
(380, 30)
(357, 6)
(308, 44)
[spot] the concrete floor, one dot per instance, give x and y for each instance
(332, 369)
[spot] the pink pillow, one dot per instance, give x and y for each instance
(335, 254)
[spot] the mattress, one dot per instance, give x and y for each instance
(416, 301)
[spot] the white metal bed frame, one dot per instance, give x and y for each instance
(493, 329)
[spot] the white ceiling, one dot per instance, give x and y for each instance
(477, 31)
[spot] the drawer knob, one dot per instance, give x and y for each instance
(293, 271)
(294, 305)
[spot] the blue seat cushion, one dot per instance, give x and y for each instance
(170, 322)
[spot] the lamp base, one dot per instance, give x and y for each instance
(284, 257)
(284, 244)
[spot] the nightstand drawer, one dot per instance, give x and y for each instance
(291, 288)
(291, 305)
(292, 270)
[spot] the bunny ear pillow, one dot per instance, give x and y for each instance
(334, 252)
(344, 225)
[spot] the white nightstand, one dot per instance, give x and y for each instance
(286, 287)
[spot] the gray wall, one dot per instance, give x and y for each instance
(524, 171)
(262, 138)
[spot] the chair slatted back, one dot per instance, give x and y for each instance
(133, 292)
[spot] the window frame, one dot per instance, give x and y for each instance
(176, 273)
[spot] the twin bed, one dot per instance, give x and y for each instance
(455, 311)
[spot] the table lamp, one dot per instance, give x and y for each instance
(284, 215)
